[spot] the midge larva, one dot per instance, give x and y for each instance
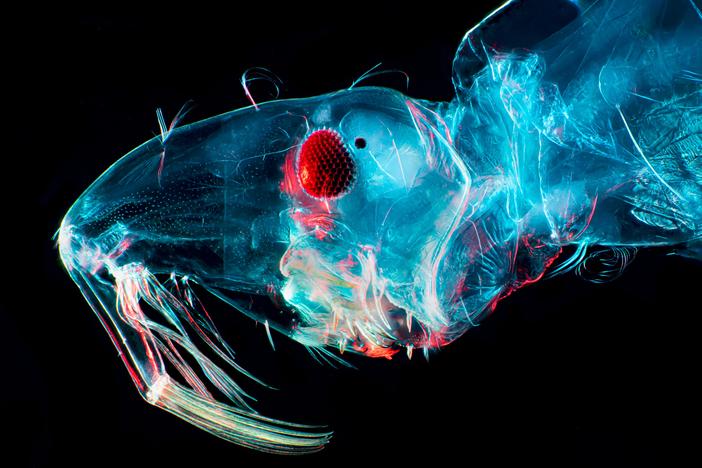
(380, 223)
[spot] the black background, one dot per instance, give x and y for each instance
(565, 373)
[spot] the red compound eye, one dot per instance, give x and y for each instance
(325, 167)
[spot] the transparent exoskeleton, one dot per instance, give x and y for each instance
(372, 222)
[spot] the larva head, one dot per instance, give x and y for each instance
(340, 208)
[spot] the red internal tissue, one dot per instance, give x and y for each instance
(325, 166)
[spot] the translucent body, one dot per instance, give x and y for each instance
(590, 137)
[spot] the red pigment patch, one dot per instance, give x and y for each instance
(325, 167)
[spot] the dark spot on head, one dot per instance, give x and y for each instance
(360, 143)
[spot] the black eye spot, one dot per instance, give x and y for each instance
(360, 143)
